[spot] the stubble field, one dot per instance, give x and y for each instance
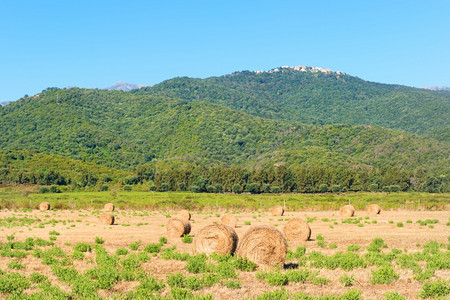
(398, 254)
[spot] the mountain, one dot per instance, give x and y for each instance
(316, 96)
(123, 86)
(124, 130)
(5, 103)
(437, 88)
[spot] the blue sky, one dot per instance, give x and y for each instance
(96, 43)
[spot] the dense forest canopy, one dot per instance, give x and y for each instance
(257, 121)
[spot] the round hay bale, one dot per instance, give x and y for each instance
(218, 238)
(297, 229)
(106, 219)
(109, 207)
(277, 210)
(177, 227)
(347, 211)
(264, 245)
(184, 214)
(44, 206)
(373, 209)
(229, 219)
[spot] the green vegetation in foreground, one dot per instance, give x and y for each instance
(10, 197)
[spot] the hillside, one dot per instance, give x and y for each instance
(121, 130)
(317, 97)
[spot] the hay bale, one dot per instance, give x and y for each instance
(373, 209)
(277, 210)
(44, 206)
(347, 211)
(229, 219)
(177, 227)
(264, 245)
(184, 214)
(109, 207)
(218, 238)
(106, 219)
(297, 229)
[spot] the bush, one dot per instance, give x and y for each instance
(236, 188)
(323, 188)
(121, 251)
(218, 188)
(181, 186)
(253, 188)
(440, 288)
(99, 240)
(82, 247)
(36, 277)
(43, 190)
(196, 189)
(373, 187)
(394, 188)
(187, 239)
(164, 187)
(276, 278)
(210, 189)
(104, 188)
(266, 188)
(276, 189)
(393, 296)
(399, 224)
(13, 283)
(54, 189)
(384, 275)
(127, 188)
(346, 280)
(152, 188)
(232, 284)
(336, 188)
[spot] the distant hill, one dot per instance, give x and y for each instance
(5, 103)
(315, 96)
(123, 130)
(124, 86)
(437, 88)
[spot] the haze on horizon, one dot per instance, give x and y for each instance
(85, 44)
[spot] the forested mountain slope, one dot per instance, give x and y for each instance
(315, 97)
(122, 130)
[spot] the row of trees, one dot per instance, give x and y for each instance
(286, 180)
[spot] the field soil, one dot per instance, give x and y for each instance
(149, 226)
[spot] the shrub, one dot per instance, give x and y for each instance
(275, 189)
(164, 187)
(152, 248)
(187, 239)
(440, 288)
(13, 283)
(77, 255)
(54, 189)
(152, 188)
(394, 188)
(384, 275)
(399, 224)
(236, 188)
(353, 248)
(232, 284)
(323, 188)
(99, 240)
(181, 186)
(82, 247)
(43, 190)
(197, 264)
(276, 278)
(127, 188)
(194, 283)
(36, 277)
(266, 188)
(176, 280)
(373, 187)
(346, 280)
(393, 296)
(196, 189)
(15, 264)
(163, 240)
(253, 188)
(336, 188)
(121, 251)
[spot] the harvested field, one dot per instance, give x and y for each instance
(142, 230)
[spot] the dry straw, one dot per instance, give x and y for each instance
(218, 238)
(229, 219)
(177, 227)
(44, 206)
(347, 211)
(374, 209)
(184, 214)
(264, 245)
(109, 207)
(106, 219)
(296, 229)
(277, 210)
